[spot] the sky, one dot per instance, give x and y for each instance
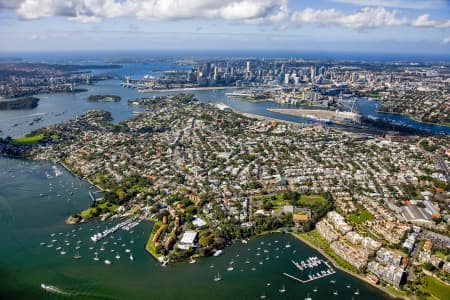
(366, 26)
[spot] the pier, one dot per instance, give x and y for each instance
(312, 262)
(127, 224)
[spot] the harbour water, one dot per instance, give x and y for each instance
(32, 211)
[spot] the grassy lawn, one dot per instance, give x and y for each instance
(306, 200)
(149, 247)
(312, 200)
(88, 213)
(395, 291)
(361, 216)
(27, 140)
(315, 239)
(435, 287)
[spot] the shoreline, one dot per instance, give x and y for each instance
(360, 277)
(412, 118)
(187, 89)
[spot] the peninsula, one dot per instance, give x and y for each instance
(104, 98)
(19, 103)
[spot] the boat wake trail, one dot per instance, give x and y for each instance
(54, 289)
(77, 294)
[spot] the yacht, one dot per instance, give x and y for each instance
(193, 261)
(308, 297)
(107, 262)
(63, 252)
(217, 278)
(96, 257)
(127, 250)
(288, 245)
(131, 257)
(333, 281)
(315, 290)
(348, 286)
(218, 253)
(117, 256)
(263, 296)
(357, 292)
(229, 269)
(335, 293)
(282, 290)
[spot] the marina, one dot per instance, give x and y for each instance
(128, 224)
(311, 263)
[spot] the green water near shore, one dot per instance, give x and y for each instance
(28, 218)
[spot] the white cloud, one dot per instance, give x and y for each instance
(445, 24)
(364, 18)
(251, 11)
(413, 4)
(446, 40)
(426, 21)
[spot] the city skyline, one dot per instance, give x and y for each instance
(410, 27)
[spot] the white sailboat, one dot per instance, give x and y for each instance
(357, 292)
(308, 297)
(283, 289)
(96, 256)
(217, 277)
(335, 293)
(77, 255)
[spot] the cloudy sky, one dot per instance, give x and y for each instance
(391, 26)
